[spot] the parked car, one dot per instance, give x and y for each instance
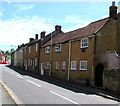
(3, 62)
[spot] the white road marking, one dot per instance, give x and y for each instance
(33, 83)
(64, 97)
(20, 76)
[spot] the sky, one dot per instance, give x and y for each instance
(21, 20)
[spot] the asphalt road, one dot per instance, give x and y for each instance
(35, 91)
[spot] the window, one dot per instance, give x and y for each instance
(58, 48)
(57, 65)
(83, 65)
(36, 47)
(73, 65)
(64, 65)
(84, 43)
(47, 49)
(29, 49)
(36, 61)
(47, 65)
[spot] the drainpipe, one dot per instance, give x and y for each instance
(69, 54)
(50, 57)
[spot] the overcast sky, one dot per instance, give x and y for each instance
(21, 20)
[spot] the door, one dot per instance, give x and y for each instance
(42, 68)
(99, 75)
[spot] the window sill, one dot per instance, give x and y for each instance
(83, 47)
(82, 69)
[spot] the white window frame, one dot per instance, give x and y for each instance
(47, 65)
(47, 49)
(83, 65)
(57, 65)
(64, 65)
(84, 43)
(73, 67)
(58, 48)
(36, 61)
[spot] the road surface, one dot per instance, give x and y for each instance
(31, 90)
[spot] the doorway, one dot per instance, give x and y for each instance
(99, 75)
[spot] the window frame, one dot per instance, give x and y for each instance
(85, 63)
(47, 49)
(83, 43)
(57, 65)
(47, 65)
(64, 65)
(75, 67)
(58, 48)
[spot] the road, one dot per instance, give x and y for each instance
(31, 90)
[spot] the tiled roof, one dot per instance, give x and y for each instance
(92, 28)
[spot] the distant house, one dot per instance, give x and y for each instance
(32, 50)
(2, 56)
(77, 56)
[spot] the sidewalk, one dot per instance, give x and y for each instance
(5, 98)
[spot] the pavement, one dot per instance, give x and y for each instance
(90, 89)
(5, 98)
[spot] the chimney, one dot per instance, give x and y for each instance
(58, 28)
(31, 39)
(36, 36)
(43, 34)
(113, 11)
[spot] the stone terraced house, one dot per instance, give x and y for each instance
(88, 55)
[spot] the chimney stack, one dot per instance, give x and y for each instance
(113, 11)
(57, 28)
(31, 39)
(43, 34)
(36, 36)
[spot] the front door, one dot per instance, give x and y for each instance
(99, 75)
(42, 68)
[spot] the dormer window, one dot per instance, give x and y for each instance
(47, 49)
(58, 48)
(84, 43)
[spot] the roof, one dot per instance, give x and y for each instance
(90, 29)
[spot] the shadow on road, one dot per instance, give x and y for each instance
(58, 82)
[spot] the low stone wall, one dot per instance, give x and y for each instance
(111, 80)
